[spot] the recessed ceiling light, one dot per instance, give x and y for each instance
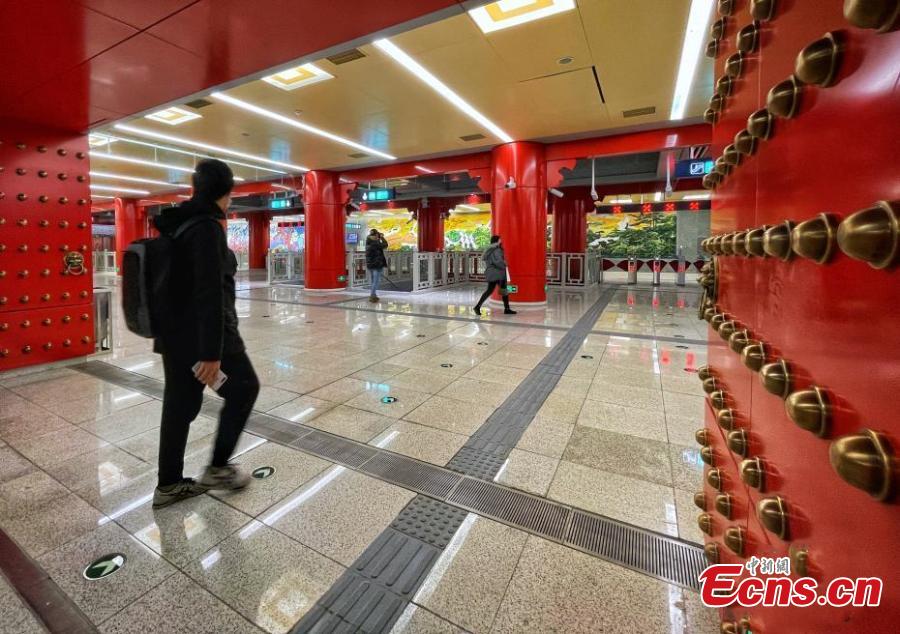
(694, 36)
(206, 146)
(299, 76)
(124, 190)
(440, 87)
(135, 179)
(173, 116)
(297, 124)
(507, 13)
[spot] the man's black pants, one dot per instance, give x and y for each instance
(182, 400)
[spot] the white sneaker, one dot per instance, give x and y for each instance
(225, 478)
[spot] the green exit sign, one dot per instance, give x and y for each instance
(377, 195)
(512, 288)
(281, 203)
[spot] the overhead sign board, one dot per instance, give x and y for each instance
(693, 168)
(375, 195)
(282, 203)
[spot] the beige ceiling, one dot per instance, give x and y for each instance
(512, 76)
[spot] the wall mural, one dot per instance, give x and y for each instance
(239, 236)
(467, 232)
(401, 233)
(641, 235)
(285, 236)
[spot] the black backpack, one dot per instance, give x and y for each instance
(147, 301)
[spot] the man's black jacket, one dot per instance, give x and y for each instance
(203, 291)
(375, 246)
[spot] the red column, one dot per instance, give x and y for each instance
(519, 216)
(325, 219)
(569, 224)
(259, 239)
(131, 225)
(431, 225)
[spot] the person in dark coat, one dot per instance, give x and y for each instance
(495, 275)
(205, 342)
(376, 261)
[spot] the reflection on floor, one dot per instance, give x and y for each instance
(77, 466)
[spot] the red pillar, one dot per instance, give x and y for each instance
(325, 219)
(259, 239)
(519, 216)
(131, 225)
(570, 224)
(431, 225)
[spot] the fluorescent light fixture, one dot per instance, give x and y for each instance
(290, 189)
(440, 87)
(468, 207)
(249, 107)
(297, 77)
(124, 190)
(424, 170)
(168, 148)
(134, 161)
(694, 37)
(621, 201)
(696, 197)
(206, 146)
(173, 116)
(134, 179)
(96, 140)
(657, 197)
(507, 13)
(102, 196)
(183, 196)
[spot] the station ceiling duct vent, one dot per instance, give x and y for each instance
(346, 56)
(472, 137)
(199, 103)
(639, 112)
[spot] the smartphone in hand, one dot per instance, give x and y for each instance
(221, 377)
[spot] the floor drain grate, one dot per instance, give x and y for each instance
(335, 449)
(531, 513)
(662, 557)
(412, 474)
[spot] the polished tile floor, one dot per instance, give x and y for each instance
(77, 466)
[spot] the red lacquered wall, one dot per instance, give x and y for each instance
(833, 322)
(46, 311)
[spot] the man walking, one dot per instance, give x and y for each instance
(376, 262)
(495, 275)
(205, 342)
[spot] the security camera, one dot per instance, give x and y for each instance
(556, 192)
(595, 195)
(511, 183)
(354, 206)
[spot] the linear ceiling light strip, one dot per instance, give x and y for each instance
(135, 179)
(168, 148)
(206, 146)
(440, 87)
(249, 107)
(694, 36)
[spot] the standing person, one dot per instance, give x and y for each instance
(495, 274)
(205, 341)
(376, 262)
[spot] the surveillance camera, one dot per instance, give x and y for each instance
(556, 192)
(595, 195)
(354, 206)
(511, 183)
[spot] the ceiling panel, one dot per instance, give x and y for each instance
(137, 13)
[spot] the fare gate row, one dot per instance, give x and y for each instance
(417, 271)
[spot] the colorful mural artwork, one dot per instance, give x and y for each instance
(467, 232)
(641, 235)
(285, 236)
(238, 236)
(401, 232)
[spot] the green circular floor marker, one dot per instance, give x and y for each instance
(388, 399)
(261, 473)
(446, 365)
(104, 566)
